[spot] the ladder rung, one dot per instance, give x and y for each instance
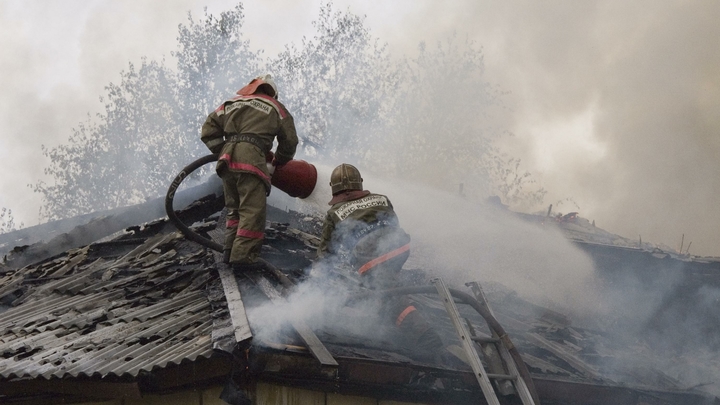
(501, 377)
(472, 356)
(485, 340)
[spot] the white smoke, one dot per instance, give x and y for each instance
(321, 195)
(640, 77)
(321, 303)
(463, 241)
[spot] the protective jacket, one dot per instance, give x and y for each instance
(243, 129)
(365, 226)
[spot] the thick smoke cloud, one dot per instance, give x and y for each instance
(461, 240)
(57, 58)
(611, 103)
(614, 105)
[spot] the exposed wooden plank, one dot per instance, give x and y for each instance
(148, 246)
(223, 331)
(277, 394)
(284, 347)
(316, 347)
(86, 389)
(560, 352)
(311, 241)
(79, 258)
(544, 366)
(241, 326)
(197, 373)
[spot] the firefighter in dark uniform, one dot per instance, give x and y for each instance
(242, 131)
(362, 230)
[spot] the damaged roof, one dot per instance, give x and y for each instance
(112, 308)
(147, 299)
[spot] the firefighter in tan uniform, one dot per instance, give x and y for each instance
(362, 230)
(242, 131)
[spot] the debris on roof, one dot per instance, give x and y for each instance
(112, 308)
(144, 302)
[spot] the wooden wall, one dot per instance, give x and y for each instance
(265, 394)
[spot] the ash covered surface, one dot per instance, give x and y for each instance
(147, 299)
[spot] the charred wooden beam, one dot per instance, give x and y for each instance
(316, 347)
(241, 326)
(558, 350)
(84, 389)
(196, 374)
(600, 394)
(425, 384)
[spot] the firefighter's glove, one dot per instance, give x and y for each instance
(217, 148)
(276, 162)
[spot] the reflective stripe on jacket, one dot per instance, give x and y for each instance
(365, 226)
(258, 116)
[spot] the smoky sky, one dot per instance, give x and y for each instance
(612, 104)
(615, 105)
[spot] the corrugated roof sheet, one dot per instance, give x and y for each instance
(120, 307)
(108, 309)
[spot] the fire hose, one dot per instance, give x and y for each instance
(184, 229)
(480, 309)
(297, 178)
(287, 283)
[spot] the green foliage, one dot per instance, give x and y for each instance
(7, 221)
(423, 118)
(336, 85)
(514, 186)
(441, 105)
(123, 156)
(150, 127)
(213, 62)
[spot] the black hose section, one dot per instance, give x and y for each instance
(483, 311)
(193, 236)
(189, 234)
(464, 297)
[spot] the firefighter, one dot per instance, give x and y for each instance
(242, 130)
(362, 231)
